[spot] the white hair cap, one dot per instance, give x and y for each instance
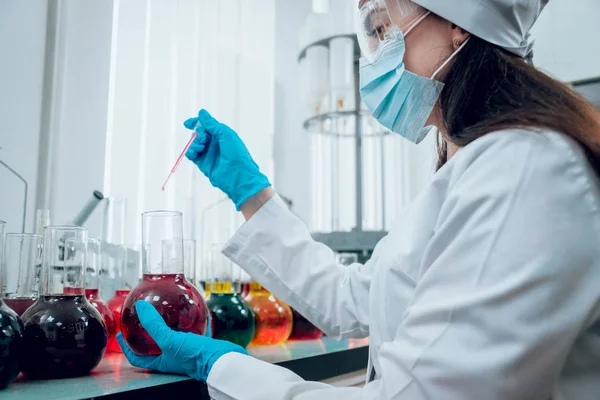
(505, 23)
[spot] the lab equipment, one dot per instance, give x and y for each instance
(224, 159)
(185, 149)
(11, 333)
(88, 208)
(64, 334)
(273, 317)
(192, 355)
(21, 268)
(163, 284)
(128, 270)
(93, 263)
(351, 201)
(42, 220)
(232, 318)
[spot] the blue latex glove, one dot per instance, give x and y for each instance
(222, 156)
(182, 353)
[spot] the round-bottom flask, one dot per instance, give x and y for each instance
(19, 305)
(176, 300)
(303, 329)
(273, 317)
(107, 316)
(232, 318)
(64, 335)
(116, 306)
(164, 284)
(11, 345)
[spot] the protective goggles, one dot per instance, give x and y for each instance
(378, 22)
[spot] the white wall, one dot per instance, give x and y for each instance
(568, 39)
(77, 105)
(291, 145)
(22, 41)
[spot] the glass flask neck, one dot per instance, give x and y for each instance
(63, 261)
(222, 287)
(162, 242)
(257, 289)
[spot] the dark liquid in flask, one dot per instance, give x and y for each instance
(116, 306)
(106, 313)
(302, 329)
(19, 304)
(64, 336)
(11, 345)
(231, 318)
(176, 300)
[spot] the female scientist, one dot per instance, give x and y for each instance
(488, 285)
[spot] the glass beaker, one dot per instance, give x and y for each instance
(232, 318)
(128, 270)
(273, 317)
(163, 284)
(11, 332)
(189, 261)
(22, 263)
(114, 221)
(64, 334)
(92, 281)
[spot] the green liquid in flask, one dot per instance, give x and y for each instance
(231, 317)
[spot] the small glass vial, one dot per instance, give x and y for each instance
(163, 284)
(232, 318)
(22, 264)
(64, 334)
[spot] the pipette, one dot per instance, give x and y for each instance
(185, 149)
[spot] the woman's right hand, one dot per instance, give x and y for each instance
(222, 156)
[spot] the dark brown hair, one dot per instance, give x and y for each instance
(488, 89)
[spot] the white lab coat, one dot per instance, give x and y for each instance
(487, 286)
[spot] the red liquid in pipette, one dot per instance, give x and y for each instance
(185, 149)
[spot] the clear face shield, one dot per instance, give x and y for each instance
(379, 22)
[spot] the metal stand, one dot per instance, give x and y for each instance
(357, 240)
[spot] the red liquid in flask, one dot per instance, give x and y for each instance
(303, 329)
(176, 300)
(64, 336)
(116, 306)
(106, 313)
(19, 304)
(11, 345)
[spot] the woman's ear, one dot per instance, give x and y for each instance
(459, 36)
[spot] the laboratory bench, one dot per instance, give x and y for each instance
(115, 378)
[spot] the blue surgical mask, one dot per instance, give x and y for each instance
(398, 99)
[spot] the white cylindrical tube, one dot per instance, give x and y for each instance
(341, 73)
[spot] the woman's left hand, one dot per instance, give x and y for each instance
(182, 353)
